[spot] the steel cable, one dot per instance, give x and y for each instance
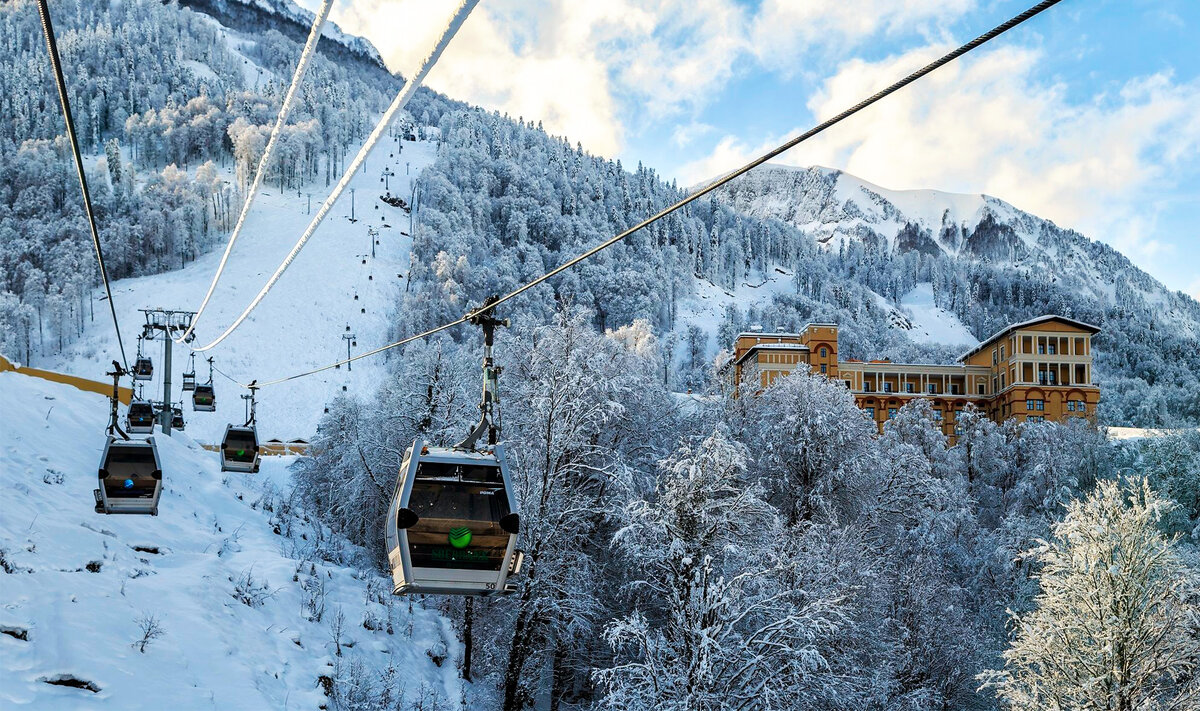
(56, 64)
(410, 88)
(285, 108)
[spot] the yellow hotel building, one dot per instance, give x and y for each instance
(1037, 370)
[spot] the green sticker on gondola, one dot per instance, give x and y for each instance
(460, 537)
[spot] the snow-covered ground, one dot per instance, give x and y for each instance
(1141, 432)
(931, 323)
(75, 583)
(300, 324)
(707, 306)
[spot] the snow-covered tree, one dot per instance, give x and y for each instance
(1116, 625)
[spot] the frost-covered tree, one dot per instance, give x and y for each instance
(1116, 625)
(715, 625)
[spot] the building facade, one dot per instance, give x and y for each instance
(1033, 371)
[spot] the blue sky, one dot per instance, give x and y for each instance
(1088, 115)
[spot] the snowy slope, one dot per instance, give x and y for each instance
(929, 323)
(75, 582)
(300, 324)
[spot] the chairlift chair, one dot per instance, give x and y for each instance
(140, 417)
(204, 398)
(452, 524)
(239, 449)
(130, 477)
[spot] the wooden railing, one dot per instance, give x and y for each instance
(91, 386)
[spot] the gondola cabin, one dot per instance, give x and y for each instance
(143, 369)
(239, 450)
(204, 398)
(189, 381)
(140, 418)
(177, 422)
(452, 524)
(130, 477)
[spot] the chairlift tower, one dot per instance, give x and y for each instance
(170, 322)
(349, 338)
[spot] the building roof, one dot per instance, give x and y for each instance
(767, 334)
(1031, 322)
(770, 347)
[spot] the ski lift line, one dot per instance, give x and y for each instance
(927, 69)
(402, 98)
(285, 109)
(60, 81)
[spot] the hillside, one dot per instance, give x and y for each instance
(247, 593)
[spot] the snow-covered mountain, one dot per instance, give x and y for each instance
(285, 16)
(838, 209)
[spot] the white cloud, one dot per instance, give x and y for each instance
(786, 31)
(569, 64)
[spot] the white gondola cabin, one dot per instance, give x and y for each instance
(452, 524)
(130, 477)
(239, 449)
(177, 422)
(140, 417)
(189, 381)
(143, 369)
(204, 398)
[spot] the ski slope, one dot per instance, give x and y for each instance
(300, 324)
(75, 583)
(931, 323)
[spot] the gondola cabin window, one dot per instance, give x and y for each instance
(130, 472)
(459, 509)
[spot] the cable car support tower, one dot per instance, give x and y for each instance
(170, 322)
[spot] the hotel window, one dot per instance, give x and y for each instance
(908, 388)
(1001, 352)
(954, 389)
(1053, 347)
(1042, 377)
(1035, 418)
(1080, 405)
(931, 388)
(1041, 347)
(982, 388)
(824, 352)
(1052, 376)
(870, 412)
(891, 412)
(1035, 405)
(958, 430)
(868, 387)
(937, 415)
(887, 387)
(824, 367)
(995, 360)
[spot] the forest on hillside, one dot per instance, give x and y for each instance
(165, 100)
(775, 553)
